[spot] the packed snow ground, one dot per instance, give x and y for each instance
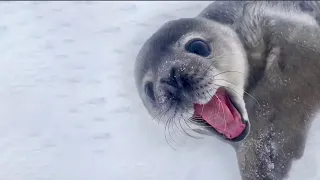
(69, 109)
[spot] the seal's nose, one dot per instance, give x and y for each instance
(171, 80)
(175, 83)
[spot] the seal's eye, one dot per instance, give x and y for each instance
(198, 47)
(149, 90)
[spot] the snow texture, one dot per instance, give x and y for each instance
(69, 109)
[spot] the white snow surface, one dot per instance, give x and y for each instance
(69, 109)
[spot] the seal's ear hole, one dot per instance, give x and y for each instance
(149, 90)
(198, 47)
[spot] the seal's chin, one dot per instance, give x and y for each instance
(222, 115)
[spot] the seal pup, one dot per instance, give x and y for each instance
(246, 65)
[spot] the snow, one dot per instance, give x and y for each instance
(69, 109)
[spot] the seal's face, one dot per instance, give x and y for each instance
(195, 70)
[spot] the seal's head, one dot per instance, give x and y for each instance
(195, 70)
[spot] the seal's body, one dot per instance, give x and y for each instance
(248, 70)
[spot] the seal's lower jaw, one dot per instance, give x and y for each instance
(223, 117)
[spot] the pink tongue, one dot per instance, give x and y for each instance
(221, 115)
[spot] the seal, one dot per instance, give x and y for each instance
(247, 71)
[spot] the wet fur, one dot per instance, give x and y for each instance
(281, 41)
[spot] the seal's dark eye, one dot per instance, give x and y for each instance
(149, 90)
(198, 47)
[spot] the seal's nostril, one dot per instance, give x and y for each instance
(172, 83)
(178, 84)
(177, 80)
(172, 80)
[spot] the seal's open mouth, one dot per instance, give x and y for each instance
(222, 115)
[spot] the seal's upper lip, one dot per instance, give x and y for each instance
(222, 115)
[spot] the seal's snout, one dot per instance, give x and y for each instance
(175, 79)
(176, 83)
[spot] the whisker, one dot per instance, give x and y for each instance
(173, 126)
(182, 129)
(171, 119)
(228, 72)
(170, 132)
(239, 88)
(188, 127)
(166, 128)
(160, 112)
(179, 120)
(186, 123)
(199, 122)
(165, 136)
(215, 61)
(207, 70)
(163, 114)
